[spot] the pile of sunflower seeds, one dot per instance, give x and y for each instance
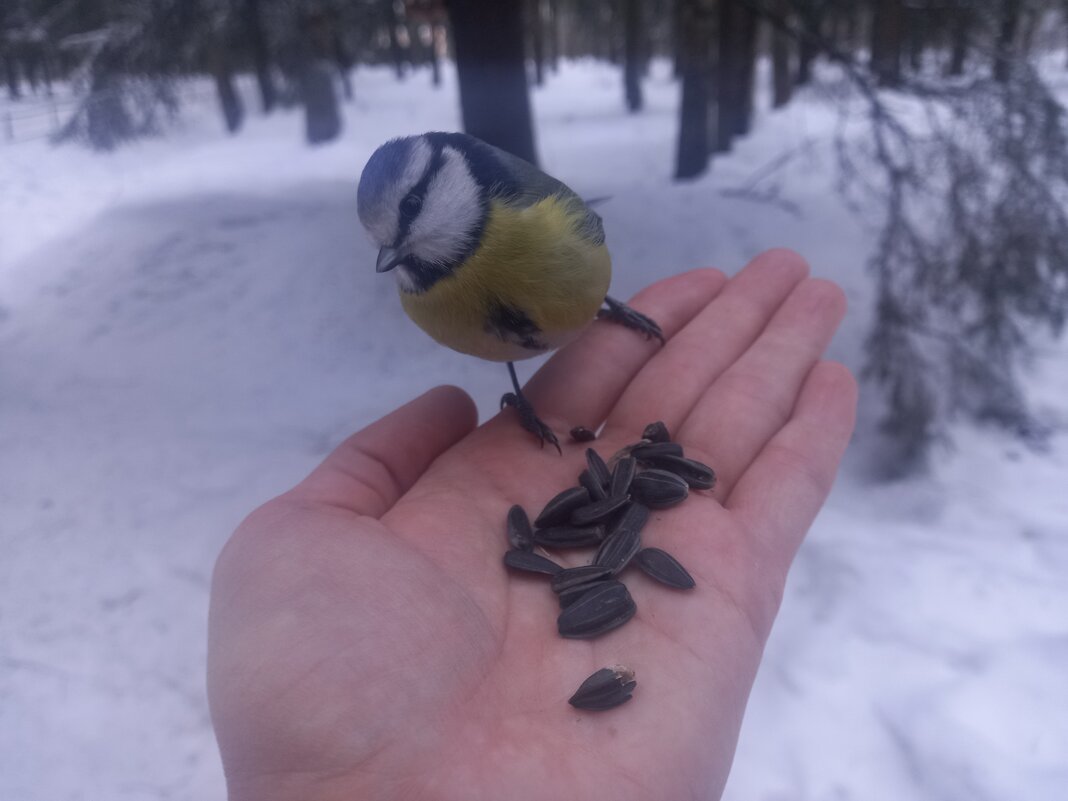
(607, 511)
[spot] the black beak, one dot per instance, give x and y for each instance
(388, 258)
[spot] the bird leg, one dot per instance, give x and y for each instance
(623, 314)
(527, 418)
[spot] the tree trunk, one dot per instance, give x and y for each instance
(811, 23)
(1008, 22)
(537, 40)
(694, 57)
(11, 77)
(261, 60)
(746, 68)
(495, 105)
(961, 17)
(918, 23)
(229, 100)
(632, 54)
(396, 52)
(322, 118)
(437, 46)
(782, 85)
(554, 35)
(886, 42)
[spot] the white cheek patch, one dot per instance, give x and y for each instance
(383, 223)
(451, 210)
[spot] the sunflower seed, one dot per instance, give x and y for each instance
(647, 453)
(596, 490)
(656, 432)
(569, 536)
(598, 469)
(598, 510)
(659, 489)
(620, 546)
(572, 594)
(598, 611)
(571, 576)
(663, 567)
(531, 562)
(622, 475)
(697, 475)
(520, 534)
(558, 510)
(607, 688)
(582, 434)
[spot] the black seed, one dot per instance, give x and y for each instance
(570, 576)
(697, 475)
(582, 434)
(622, 475)
(647, 453)
(520, 534)
(598, 469)
(605, 689)
(596, 490)
(531, 562)
(598, 611)
(624, 541)
(572, 594)
(598, 510)
(659, 489)
(656, 432)
(663, 567)
(569, 536)
(558, 510)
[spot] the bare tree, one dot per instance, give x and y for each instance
(886, 31)
(781, 52)
(632, 54)
(696, 31)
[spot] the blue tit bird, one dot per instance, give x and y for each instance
(492, 257)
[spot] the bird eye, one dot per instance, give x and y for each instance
(410, 205)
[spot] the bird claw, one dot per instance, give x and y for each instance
(629, 318)
(529, 420)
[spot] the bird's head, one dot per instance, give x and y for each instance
(422, 207)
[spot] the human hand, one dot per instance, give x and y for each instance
(366, 641)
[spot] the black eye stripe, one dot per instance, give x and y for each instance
(418, 192)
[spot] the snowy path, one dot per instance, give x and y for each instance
(188, 325)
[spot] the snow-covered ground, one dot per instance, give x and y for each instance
(188, 325)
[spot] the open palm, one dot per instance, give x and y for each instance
(366, 641)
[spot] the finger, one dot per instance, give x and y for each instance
(671, 383)
(754, 397)
(582, 382)
(778, 496)
(370, 470)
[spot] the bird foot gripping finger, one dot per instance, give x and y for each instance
(529, 420)
(623, 314)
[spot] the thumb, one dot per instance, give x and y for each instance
(370, 470)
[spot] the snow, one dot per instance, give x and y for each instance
(189, 324)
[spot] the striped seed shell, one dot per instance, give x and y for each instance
(663, 567)
(656, 432)
(569, 536)
(558, 510)
(598, 611)
(595, 488)
(646, 453)
(598, 469)
(531, 562)
(605, 689)
(520, 534)
(570, 576)
(659, 489)
(598, 510)
(620, 546)
(697, 475)
(572, 594)
(622, 475)
(582, 434)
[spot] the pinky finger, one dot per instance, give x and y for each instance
(778, 496)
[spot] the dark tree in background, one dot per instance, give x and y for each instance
(633, 59)
(261, 57)
(494, 101)
(696, 29)
(886, 35)
(781, 60)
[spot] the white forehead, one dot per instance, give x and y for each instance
(383, 219)
(451, 211)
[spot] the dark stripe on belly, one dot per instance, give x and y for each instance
(511, 324)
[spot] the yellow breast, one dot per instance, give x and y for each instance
(532, 262)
